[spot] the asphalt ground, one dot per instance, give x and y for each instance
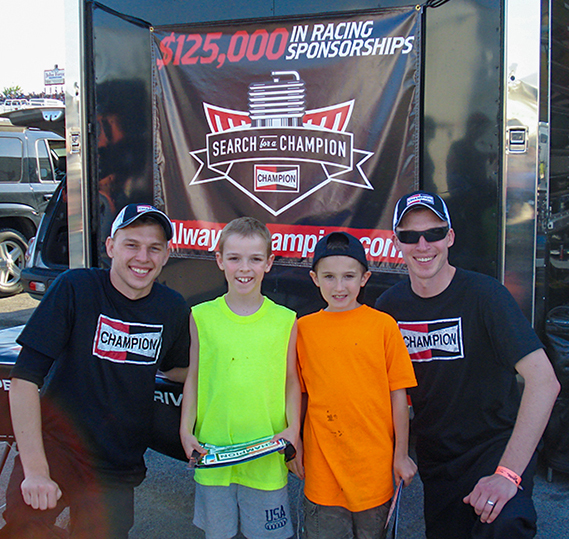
(164, 501)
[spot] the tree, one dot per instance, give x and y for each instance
(11, 90)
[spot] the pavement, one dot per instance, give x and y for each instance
(16, 310)
(164, 501)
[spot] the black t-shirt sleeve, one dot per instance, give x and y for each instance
(511, 334)
(178, 354)
(48, 329)
(31, 366)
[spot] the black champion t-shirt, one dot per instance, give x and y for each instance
(98, 389)
(464, 344)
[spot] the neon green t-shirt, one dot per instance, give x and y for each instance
(241, 387)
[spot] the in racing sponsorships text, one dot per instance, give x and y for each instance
(329, 40)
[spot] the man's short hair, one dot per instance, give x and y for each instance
(246, 227)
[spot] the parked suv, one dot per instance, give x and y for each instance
(48, 253)
(32, 162)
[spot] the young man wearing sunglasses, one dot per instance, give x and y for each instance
(475, 437)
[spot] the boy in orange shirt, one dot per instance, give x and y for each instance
(354, 370)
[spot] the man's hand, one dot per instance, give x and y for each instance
(490, 495)
(40, 492)
(540, 391)
(38, 489)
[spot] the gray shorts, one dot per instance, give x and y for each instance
(263, 514)
(332, 522)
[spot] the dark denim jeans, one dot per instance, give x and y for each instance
(332, 522)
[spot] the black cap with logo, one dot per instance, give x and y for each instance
(421, 198)
(340, 244)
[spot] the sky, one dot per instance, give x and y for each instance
(32, 40)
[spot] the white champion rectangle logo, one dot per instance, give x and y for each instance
(277, 178)
(433, 339)
(127, 342)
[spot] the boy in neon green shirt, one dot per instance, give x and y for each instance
(242, 385)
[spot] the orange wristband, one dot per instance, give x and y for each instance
(508, 474)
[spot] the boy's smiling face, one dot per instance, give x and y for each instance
(244, 261)
(340, 279)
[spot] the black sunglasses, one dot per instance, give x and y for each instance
(431, 235)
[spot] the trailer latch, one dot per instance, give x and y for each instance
(517, 139)
(75, 137)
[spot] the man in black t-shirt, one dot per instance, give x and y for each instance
(467, 338)
(93, 347)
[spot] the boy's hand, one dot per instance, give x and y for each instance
(296, 465)
(289, 434)
(404, 468)
(191, 444)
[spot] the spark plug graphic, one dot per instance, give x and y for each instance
(277, 103)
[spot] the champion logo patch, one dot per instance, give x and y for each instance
(127, 342)
(420, 198)
(440, 340)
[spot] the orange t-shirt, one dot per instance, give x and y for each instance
(349, 362)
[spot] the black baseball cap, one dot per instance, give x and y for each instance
(342, 244)
(132, 212)
(421, 198)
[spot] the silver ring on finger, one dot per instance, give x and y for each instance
(489, 502)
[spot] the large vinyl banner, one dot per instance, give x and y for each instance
(308, 124)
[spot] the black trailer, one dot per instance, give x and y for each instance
(487, 127)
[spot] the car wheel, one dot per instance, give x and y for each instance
(13, 247)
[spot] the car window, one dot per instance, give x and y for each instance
(55, 249)
(45, 166)
(11, 159)
(58, 156)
